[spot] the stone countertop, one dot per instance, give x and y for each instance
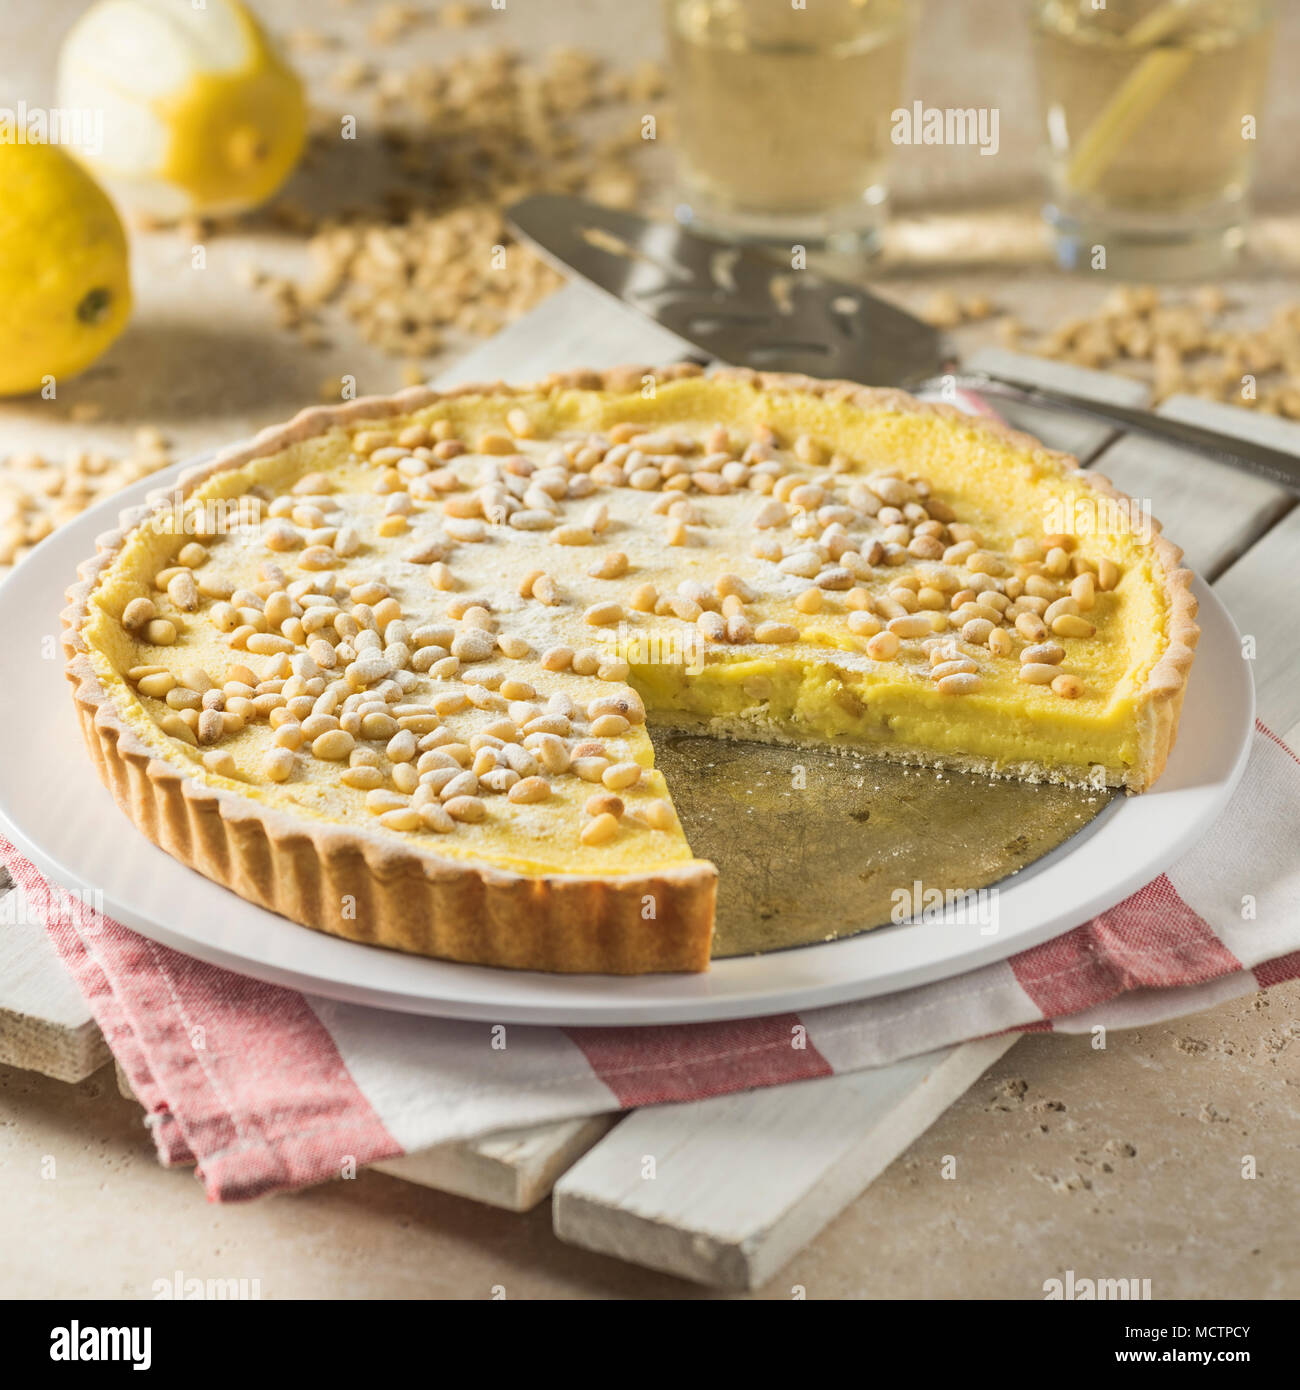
(1116, 1163)
(1122, 1163)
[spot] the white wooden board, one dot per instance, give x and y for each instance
(514, 1168)
(45, 1025)
(725, 1191)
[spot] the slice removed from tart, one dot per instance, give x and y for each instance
(388, 669)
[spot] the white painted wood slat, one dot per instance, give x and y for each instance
(514, 1168)
(1214, 512)
(726, 1191)
(45, 1025)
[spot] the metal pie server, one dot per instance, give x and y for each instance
(738, 305)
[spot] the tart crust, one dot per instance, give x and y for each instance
(367, 885)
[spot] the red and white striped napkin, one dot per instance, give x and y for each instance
(266, 1089)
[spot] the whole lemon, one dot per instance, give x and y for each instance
(65, 285)
(200, 115)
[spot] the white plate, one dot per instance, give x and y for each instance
(53, 806)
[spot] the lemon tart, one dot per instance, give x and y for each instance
(388, 669)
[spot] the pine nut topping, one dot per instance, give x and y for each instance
(776, 633)
(529, 789)
(611, 566)
(332, 746)
(956, 667)
(137, 613)
(277, 764)
(604, 614)
(600, 830)
(622, 775)
(1071, 625)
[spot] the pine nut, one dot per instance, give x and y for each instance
(864, 624)
(883, 646)
(1071, 625)
(159, 632)
(604, 614)
(1037, 673)
(958, 683)
(776, 633)
(211, 726)
(528, 790)
(157, 685)
(137, 613)
(957, 666)
(1067, 686)
(1108, 575)
(1056, 561)
(982, 562)
(1046, 652)
(434, 816)
(183, 591)
(572, 535)
(599, 830)
(609, 726)
(465, 808)
(622, 775)
(611, 566)
(1082, 591)
(332, 746)
(1060, 606)
(643, 598)
(175, 727)
(590, 769)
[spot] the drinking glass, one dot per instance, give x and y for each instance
(1151, 110)
(784, 114)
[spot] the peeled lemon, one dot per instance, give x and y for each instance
(200, 114)
(65, 287)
